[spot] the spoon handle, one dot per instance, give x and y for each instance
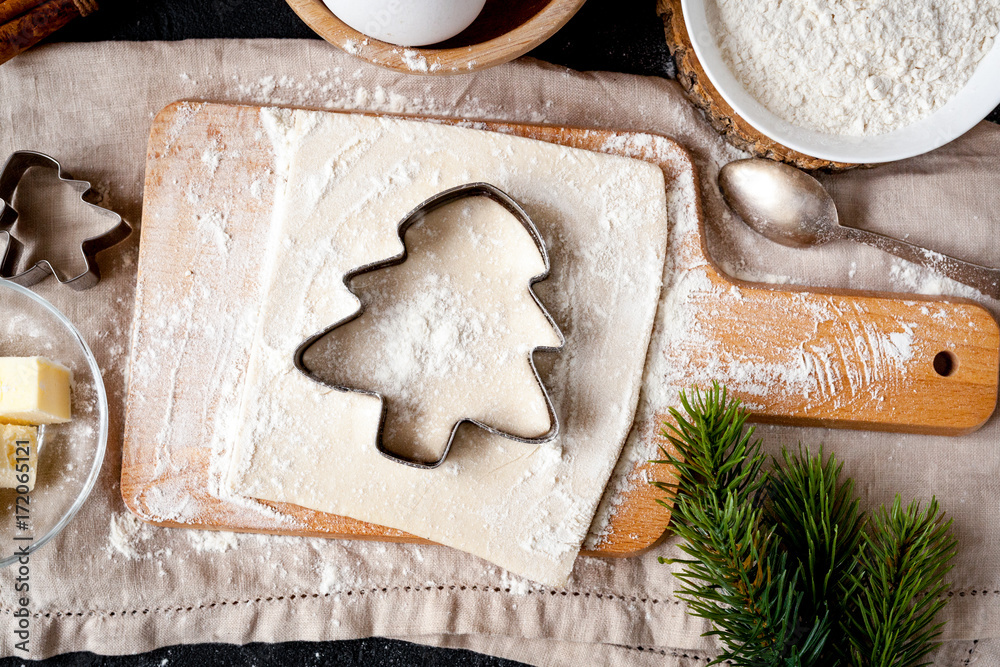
(984, 279)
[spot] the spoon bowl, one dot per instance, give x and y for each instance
(780, 202)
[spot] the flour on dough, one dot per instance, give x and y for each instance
(448, 334)
(349, 179)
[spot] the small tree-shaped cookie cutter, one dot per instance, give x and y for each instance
(13, 171)
(435, 202)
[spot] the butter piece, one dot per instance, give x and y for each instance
(33, 390)
(18, 456)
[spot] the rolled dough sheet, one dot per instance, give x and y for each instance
(349, 180)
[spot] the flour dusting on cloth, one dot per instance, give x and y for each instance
(349, 180)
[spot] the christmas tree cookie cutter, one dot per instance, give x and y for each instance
(13, 172)
(437, 201)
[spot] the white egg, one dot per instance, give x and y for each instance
(408, 22)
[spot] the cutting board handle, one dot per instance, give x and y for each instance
(853, 359)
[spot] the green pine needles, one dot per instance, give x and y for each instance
(784, 564)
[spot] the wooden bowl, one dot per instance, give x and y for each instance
(504, 31)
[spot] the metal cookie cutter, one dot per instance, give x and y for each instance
(437, 201)
(13, 171)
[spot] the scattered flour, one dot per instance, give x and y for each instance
(211, 158)
(337, 579)
(130, 537)
(852, 67)
(335, 88)
(170, 333)
(355, 47)
(418, 63)
(212, 225)
(126, 534)
(212, 541)
(516, 585)
(912, 277)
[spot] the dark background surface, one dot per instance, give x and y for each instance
(614, 35)
(374, 652)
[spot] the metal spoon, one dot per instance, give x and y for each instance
(792, 208)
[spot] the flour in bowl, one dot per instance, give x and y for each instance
(853, 67)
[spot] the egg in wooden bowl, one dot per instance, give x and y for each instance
(501, 31)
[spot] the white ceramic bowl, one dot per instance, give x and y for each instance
(973, 103)
(71, 455)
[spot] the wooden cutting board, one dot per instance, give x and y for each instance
(169, 475)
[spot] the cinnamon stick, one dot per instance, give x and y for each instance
(41, 19)
(11, 9)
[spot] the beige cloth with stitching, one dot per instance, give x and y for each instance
(90, 105)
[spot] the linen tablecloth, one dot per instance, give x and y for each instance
(110, 584)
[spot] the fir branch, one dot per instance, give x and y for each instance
(781, 564)
(818, 523)
(715, 457)
(735, 575)
(899, 589)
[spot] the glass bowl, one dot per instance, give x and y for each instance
(69, 455)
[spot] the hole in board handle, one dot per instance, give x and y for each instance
(945, 363)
